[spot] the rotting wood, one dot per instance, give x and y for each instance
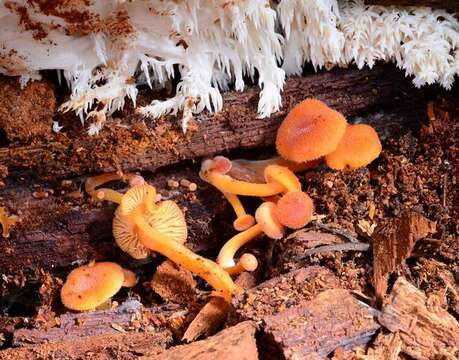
(237, 342)
(127, 346)
(333, 319)
(58, 232)
(146, 146)
(62, 229)
(283, 291)
(394, 243)
(427, 331)
(129, 316)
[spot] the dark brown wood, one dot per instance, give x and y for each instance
(333, 319)
(63, 230)
(58, 231)
(427, 330)
(137, 145)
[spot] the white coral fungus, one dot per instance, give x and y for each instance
(105, 49)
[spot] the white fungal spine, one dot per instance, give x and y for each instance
(213, 45)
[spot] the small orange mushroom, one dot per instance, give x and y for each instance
(266, 223)
(310, 131)
(7, 222)
(359, 146)
(294, 209)
(91, 285)
(247, 262)
(134, 210)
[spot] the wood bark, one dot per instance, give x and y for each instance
(427, 330)
(132, 144)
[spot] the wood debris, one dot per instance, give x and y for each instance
(394, 243)
(237, 342)
(315, 329)
(427, 332)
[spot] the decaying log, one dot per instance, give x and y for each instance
(333, 319)
(59, 231)
(129, 316)
(63, 229)
(131, 144)
(427, 331)
(394, 243)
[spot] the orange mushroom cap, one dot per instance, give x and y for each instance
(309, 131)
(90, 285)
(266, 218)
(243, 222)
(359, 146)
(294, 209)
(130, 279)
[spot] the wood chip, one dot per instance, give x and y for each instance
(237, 342)
(394, 243)
(427, 332)
(315, 329)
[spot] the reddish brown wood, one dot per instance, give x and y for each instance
(149, 145)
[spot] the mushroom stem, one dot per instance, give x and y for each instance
(226, 256)
(247, 262)
(243, 220)
(227, 184)
(103, 194)
(218, 278)
(252, 170)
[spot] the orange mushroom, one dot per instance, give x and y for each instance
(134, 211)
(310, 131)
(359, 146)
(7, 222)
(266, 223)
(91, 285)
(294, 209)
(247, 262)
(227, 184)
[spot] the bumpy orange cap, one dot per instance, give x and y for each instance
(294, 209)
(359, 146)
(309, 131)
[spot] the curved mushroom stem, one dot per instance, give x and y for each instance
(226, 256)
(284, 176)
(252, 170)
(218, 278)
(244, 220)
(109, 194)
(227, 184)
(104, 193)
(247, 262)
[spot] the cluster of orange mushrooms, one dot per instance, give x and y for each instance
(310, 132)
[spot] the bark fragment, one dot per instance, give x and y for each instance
(427, 331)
(333, 319)
(394, 243)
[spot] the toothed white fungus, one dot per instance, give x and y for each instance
(105, 49)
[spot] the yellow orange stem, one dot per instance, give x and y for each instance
(103, 194)
(218, 278)
(247, 262)
(235, 203)
(227, 184)
(226, 256)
